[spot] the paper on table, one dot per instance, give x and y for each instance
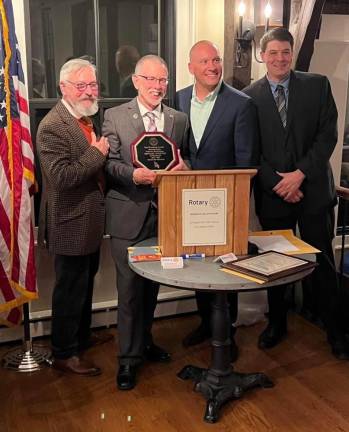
(302, 247)
(244, 276)
(277, 243)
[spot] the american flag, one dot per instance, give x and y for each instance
(17, 265)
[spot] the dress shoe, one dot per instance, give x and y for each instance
(271, 336)
(340, 346)
(156, 354)
(197, 336)
(77, 366)
(126, 377)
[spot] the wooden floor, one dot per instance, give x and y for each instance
(311, 391)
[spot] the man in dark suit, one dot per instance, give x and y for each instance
(72, 210)
(131, 211)
(298, 126)
(223, 135)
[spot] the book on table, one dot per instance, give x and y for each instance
(269, 266)
(144, 253)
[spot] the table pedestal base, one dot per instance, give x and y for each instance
(219, 383)
(218, 390)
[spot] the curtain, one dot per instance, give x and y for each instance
(301, 13)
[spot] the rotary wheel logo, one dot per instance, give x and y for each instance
(215, 202)
(153, 142)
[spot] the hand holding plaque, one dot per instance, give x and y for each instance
(155, 151)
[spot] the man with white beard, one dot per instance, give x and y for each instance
(72, 211)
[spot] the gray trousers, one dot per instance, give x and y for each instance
(137, 297)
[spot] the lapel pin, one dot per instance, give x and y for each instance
(135, 116)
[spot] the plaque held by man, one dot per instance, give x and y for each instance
(155, 151)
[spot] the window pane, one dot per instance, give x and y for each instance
(128, 30)
(59, 30)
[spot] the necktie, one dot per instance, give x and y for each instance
(281, 103)
(152, 124)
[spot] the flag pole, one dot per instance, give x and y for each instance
(27, 358)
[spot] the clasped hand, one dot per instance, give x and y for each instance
(288, 187)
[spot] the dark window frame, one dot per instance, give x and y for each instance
(38, 106)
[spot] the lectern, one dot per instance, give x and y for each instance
(170, 188)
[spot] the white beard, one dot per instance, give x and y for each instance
(86, 111)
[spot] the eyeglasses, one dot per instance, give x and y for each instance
(150, 79)
(82, 86)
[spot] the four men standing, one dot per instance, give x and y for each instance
(297, 122)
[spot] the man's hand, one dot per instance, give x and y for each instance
(181, 165)
(290, 183)
(143, 176)
(102, 145)
(295, 197)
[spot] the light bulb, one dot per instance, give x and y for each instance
(268, 10)
(241, 9)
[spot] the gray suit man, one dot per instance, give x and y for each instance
(131, 216)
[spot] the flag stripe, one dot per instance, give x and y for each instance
(17, 266)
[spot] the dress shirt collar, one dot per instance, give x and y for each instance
(211, 96)
(284, 83)
(143, 110)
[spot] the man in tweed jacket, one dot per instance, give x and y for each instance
(72, 210)
(131, 213)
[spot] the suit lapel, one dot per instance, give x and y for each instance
(135, 117)
(168, 120)
(73, 127)
(215, 115)
(293, 93)
(269, 105)
(187, 101)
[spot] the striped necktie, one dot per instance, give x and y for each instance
(281, 104)
(152, 124)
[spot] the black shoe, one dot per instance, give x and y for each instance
(234, 351)
(340, 352)
(126, 377)
(156, 354)
(340, 345)
(197, 336)
(271, 336)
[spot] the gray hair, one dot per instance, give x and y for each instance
(149, 57)
(280, 34)
(74, 65)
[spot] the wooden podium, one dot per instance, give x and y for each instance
(170, 185)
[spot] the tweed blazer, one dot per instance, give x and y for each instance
(72, 209)
(128, 204)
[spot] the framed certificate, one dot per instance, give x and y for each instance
(155, 151)
(270, 265)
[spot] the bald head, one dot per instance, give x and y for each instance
(202, 45)
(205, 64)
